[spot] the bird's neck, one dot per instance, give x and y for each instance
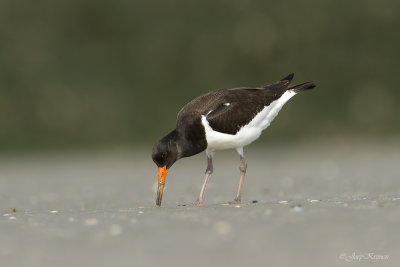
(188, 145)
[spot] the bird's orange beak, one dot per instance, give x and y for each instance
(162, 174)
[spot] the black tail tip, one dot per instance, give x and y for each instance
(310, 86)
(289, 77)
(303, 87)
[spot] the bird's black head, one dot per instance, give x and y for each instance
(165, 153)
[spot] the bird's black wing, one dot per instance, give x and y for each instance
(239, 107)
(227, 110)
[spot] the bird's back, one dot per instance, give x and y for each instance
(243, 102)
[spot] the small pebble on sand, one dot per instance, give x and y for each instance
(284, 202)
(297, 208)
(254, 201)
(54, 211)
(314, 200)
(91, 222)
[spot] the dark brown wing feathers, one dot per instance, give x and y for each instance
(227, 110)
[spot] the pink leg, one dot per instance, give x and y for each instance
(242, 168)
(209, 171)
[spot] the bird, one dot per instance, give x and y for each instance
(222, 119)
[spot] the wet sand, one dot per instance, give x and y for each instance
(315, 205)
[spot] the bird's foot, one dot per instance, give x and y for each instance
(235, 201)
(198, 203)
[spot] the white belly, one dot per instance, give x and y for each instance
(248, 133)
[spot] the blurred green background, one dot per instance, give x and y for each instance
(93, 73)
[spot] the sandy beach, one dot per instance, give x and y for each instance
(303, 205)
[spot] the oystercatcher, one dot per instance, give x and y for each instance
(222, 119)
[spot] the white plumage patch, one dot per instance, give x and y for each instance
(248, 133)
